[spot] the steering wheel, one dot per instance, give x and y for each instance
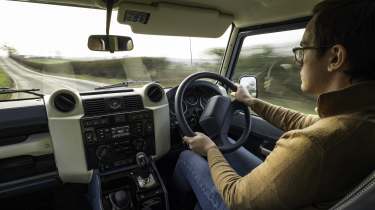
(217, 115)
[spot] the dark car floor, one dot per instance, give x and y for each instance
(73, 196)
(63, 197)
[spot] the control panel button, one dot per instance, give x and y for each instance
(120, 118)
(104, 121)
(138, 128)
(149, 127)
(100, 134)
(103, 151)
(89, 135)
(124, 141)
(88, 123)
(118, 132)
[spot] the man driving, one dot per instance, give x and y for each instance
(318, 159)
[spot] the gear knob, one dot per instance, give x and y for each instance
(142, 160)
(120, 200)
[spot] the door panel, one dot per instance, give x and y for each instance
(262, 138)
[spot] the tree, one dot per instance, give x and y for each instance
(155, 66)
(217, 52)
(9, 49)
(155, 63)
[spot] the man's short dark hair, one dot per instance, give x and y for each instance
(350, 23)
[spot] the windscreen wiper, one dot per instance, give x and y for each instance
(124, 84)
(6, 90)
(121, 84)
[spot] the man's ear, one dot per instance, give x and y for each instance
(338, 58)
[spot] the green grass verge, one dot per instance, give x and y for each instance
(5, 81)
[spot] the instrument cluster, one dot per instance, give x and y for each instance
(195, 101)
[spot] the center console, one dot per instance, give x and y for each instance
(119, 143)
(139, 187)
(113, 140)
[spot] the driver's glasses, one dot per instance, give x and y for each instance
(299, 53)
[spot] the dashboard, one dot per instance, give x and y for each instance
(70, 134)
(105, 129)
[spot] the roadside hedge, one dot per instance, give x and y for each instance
(101, 68)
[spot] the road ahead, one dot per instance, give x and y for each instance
(25, 78)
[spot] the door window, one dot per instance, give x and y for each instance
(270, 58)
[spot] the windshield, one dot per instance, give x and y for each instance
(45, 47)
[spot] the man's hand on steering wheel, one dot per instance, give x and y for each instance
(200, 143)
(242, 95)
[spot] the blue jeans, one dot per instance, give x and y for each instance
(192, 173)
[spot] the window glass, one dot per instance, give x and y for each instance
(269, 57)
(52, 53)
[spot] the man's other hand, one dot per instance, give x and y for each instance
(200, 143)
(243, 95)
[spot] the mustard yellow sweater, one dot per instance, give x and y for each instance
(315, 163)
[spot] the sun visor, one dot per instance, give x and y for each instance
(173, 20)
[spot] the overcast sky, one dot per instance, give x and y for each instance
(47, 30)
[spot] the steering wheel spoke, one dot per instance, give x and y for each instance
(222, 141)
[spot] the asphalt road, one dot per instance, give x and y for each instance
(25, 78)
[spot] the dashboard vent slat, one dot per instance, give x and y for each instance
(94, 106)
(105, 106)
(133, 102)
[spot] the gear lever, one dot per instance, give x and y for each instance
(142, 160)
(145, 178)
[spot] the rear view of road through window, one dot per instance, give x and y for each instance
(51, 53)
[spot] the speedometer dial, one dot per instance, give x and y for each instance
(192, 100)
(184, 108)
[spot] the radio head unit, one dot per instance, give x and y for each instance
(112, 140)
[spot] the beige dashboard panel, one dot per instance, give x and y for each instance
(173, 20)
(161, 121)
(67, 141)
(66, 134)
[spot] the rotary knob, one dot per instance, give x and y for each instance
(102, 152)
(120, 200)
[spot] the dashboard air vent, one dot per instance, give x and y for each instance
(94, 106)
(133, 102)
(64, 102)
(102, 106)
(155, 93)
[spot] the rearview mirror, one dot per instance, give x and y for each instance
(250, 83)
(110, 43)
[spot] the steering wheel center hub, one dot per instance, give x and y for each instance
(213, 118)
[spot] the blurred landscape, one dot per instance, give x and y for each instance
(5, 81)
(139, 70)
(278, 78)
